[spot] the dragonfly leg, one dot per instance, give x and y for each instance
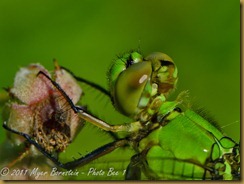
(33, 142)
(107, 148)
(131, 127)
(103, 150)
(72, 105)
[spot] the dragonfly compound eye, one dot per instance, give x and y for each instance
(164, 72)
(128, 77)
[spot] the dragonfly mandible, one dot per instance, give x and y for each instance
(171, 140)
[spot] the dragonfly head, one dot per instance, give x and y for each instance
(133, 80)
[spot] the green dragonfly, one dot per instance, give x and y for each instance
(169, 139)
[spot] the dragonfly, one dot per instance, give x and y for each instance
(171, 141)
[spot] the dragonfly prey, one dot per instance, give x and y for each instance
(170, 140)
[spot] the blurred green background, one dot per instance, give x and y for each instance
(202, 37)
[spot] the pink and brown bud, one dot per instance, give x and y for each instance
(40, 110)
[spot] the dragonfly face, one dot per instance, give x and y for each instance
(164, 72)
(135, 83)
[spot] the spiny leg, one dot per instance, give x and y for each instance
(60, 90)
(32, 141)
(103, 150)
(130, 127)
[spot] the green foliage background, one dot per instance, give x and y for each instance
(202, 37)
